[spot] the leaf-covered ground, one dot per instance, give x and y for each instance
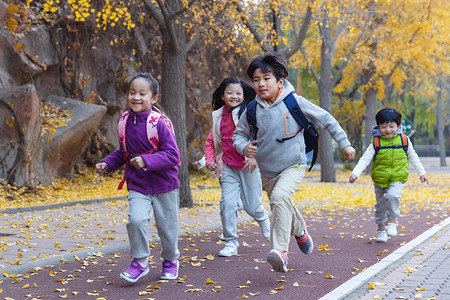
(311, 194)
(339, 216)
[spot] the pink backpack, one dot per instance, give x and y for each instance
(152, 133)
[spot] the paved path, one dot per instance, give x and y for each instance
(77, 252)
(418, 270)
(60, 252)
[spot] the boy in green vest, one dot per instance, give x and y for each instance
(390, 152)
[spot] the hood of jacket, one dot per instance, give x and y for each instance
(376, 131)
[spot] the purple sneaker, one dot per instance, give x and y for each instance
(170, 269)
(134, 272)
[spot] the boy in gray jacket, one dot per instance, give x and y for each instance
(282, 164)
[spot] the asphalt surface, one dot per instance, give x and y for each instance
(78, 252)
(343, 248)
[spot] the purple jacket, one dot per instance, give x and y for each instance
(161, 175)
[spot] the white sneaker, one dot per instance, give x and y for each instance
(265, 228)
(230, 249)
(382, 236)
(391, 229)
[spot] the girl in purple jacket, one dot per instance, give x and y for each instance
(151, 175)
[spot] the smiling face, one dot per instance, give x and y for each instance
(233, 95)
(388, 129)
(140, 95)
(266, 85)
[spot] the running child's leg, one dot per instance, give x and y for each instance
(139, 214)
(286, 219)
(380, 207)
(393, 194)
(251, 195)
(166, 218)
(230, 194)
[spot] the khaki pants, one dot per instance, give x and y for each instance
(286, 218)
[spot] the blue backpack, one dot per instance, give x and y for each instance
(310, 133)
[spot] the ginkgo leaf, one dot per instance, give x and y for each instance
(296, 284)
(193, 290)
(209, 257)
(209, 281)
(280, 288)
(374, 284)
(143, 293)
(329, 276)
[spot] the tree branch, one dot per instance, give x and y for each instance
(181, 11)
(352, 49)
(311, 68)
(156, 14)
(193, 41)
(264, 45)
(162, 17)
(288, 52)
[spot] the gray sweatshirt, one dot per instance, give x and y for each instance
(275, 121)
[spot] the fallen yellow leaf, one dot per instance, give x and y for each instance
(209, 257)
(209, 281)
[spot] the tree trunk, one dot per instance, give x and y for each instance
(328, 173)
(440, 125)
(369, 119)
(174, 102)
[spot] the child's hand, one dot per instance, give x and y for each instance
(101, 168)
(423, 179)
(197, 165)
(250, 149)
(349, 153)
(352, 178)
(212, 166)
(250, 165)
(138, 162)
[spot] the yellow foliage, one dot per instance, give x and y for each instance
(52, 118)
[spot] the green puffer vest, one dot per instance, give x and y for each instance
(391, 164)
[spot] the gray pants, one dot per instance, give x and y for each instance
(165, 208)
(237, 183)
(286, 218)
(388, 203)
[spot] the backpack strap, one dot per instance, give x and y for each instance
(377, 146)
(251, 119)
(311, 135)
(152, 132)
(121, 129)
(404, 142)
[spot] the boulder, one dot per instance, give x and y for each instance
(67, 144)
(26, 158)
(20, 124)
